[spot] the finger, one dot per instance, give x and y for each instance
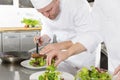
(42, 53)
(57, 62)
(49, 58)
(47, 61)
(116, 70)
(118, 76)
(39, 42)
(46, 50)
(34, 39)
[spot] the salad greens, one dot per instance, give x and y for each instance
(92, 74)
(50, 73)
(31, 22)
(38, 62)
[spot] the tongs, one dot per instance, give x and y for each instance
(37, 45)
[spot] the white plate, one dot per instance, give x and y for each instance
(64, 75)
(26, 64)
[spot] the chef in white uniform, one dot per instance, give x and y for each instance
(106, 14)
(70, 24)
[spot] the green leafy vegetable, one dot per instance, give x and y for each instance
(31, 22)
(92, 74)
(50, 73)
(38, 62)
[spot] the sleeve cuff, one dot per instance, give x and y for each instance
(89, 40)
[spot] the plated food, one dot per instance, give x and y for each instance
(93, 74)
(37, 60)
(26, 64)
(65, 75)
(51, 73)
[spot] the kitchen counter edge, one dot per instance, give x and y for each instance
(5, 29)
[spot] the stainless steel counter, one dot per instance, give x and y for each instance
(15, 72)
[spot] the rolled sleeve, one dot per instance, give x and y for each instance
(89, 40)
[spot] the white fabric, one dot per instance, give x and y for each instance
(40, 3)
(67, 67)
(106, 14)
(71, 24)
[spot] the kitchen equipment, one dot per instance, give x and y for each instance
(54, 38)
(37, 43)
(14, 56)
(37, 47)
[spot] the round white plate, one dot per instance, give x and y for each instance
(26, 64)
(64, 75)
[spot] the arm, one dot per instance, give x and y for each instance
(56, 46)
(87, 32)
(60, 55)
(64, 45)
(75, 49)
(117, 72)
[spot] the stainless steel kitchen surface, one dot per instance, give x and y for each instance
(0, 42)
(10, 71)
(6, 2)
(10, 41)
(15, 72)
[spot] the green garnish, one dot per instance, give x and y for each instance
(92, 74)
(38, 62)
(50, 73)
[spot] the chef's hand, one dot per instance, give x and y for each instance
(58, 55)
(44, 39)
(49, 48)
(117, 72)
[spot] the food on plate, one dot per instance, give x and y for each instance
(51, 73)
(38, 60)
(93, 74)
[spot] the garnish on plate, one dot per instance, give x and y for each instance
(38, 60)
(93, 74)
(51, 73)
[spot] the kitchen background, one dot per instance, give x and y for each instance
(13, 11)
(11, 14)
(15, 37)
(19, 9)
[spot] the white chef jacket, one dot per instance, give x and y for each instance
(106, 14)
(71, 24)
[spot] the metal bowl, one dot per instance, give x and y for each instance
(14, 56)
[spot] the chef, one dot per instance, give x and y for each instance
(106, 14)
(67, 19)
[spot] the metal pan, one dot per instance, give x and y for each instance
(14, 56)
